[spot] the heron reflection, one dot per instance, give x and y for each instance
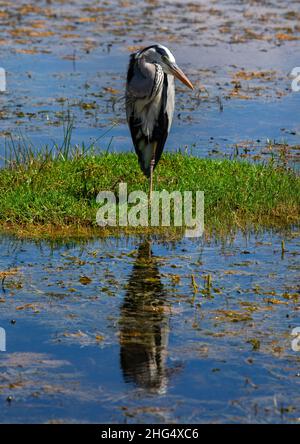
(144, 325)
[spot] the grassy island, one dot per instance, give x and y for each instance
(46, 195)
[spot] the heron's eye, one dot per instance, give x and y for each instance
(165, 59)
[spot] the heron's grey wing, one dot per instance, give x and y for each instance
(141, 114)
(159, 118)
(141, 79)
(149, 108)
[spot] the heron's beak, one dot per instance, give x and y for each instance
(177, 72)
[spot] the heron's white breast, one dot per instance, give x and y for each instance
(149, 110)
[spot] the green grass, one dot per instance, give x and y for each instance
(46, 194)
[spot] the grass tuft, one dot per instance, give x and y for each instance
(59, 193)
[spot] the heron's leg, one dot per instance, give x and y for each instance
(152, 164)
(151, 180)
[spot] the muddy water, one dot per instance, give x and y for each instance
(126, 331)
(117, 331)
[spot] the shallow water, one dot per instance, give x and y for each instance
(118, 330)
(72, 58)
(114, 331)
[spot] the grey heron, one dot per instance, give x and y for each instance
(150, 100)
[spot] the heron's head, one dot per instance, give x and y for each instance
(163, 56)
